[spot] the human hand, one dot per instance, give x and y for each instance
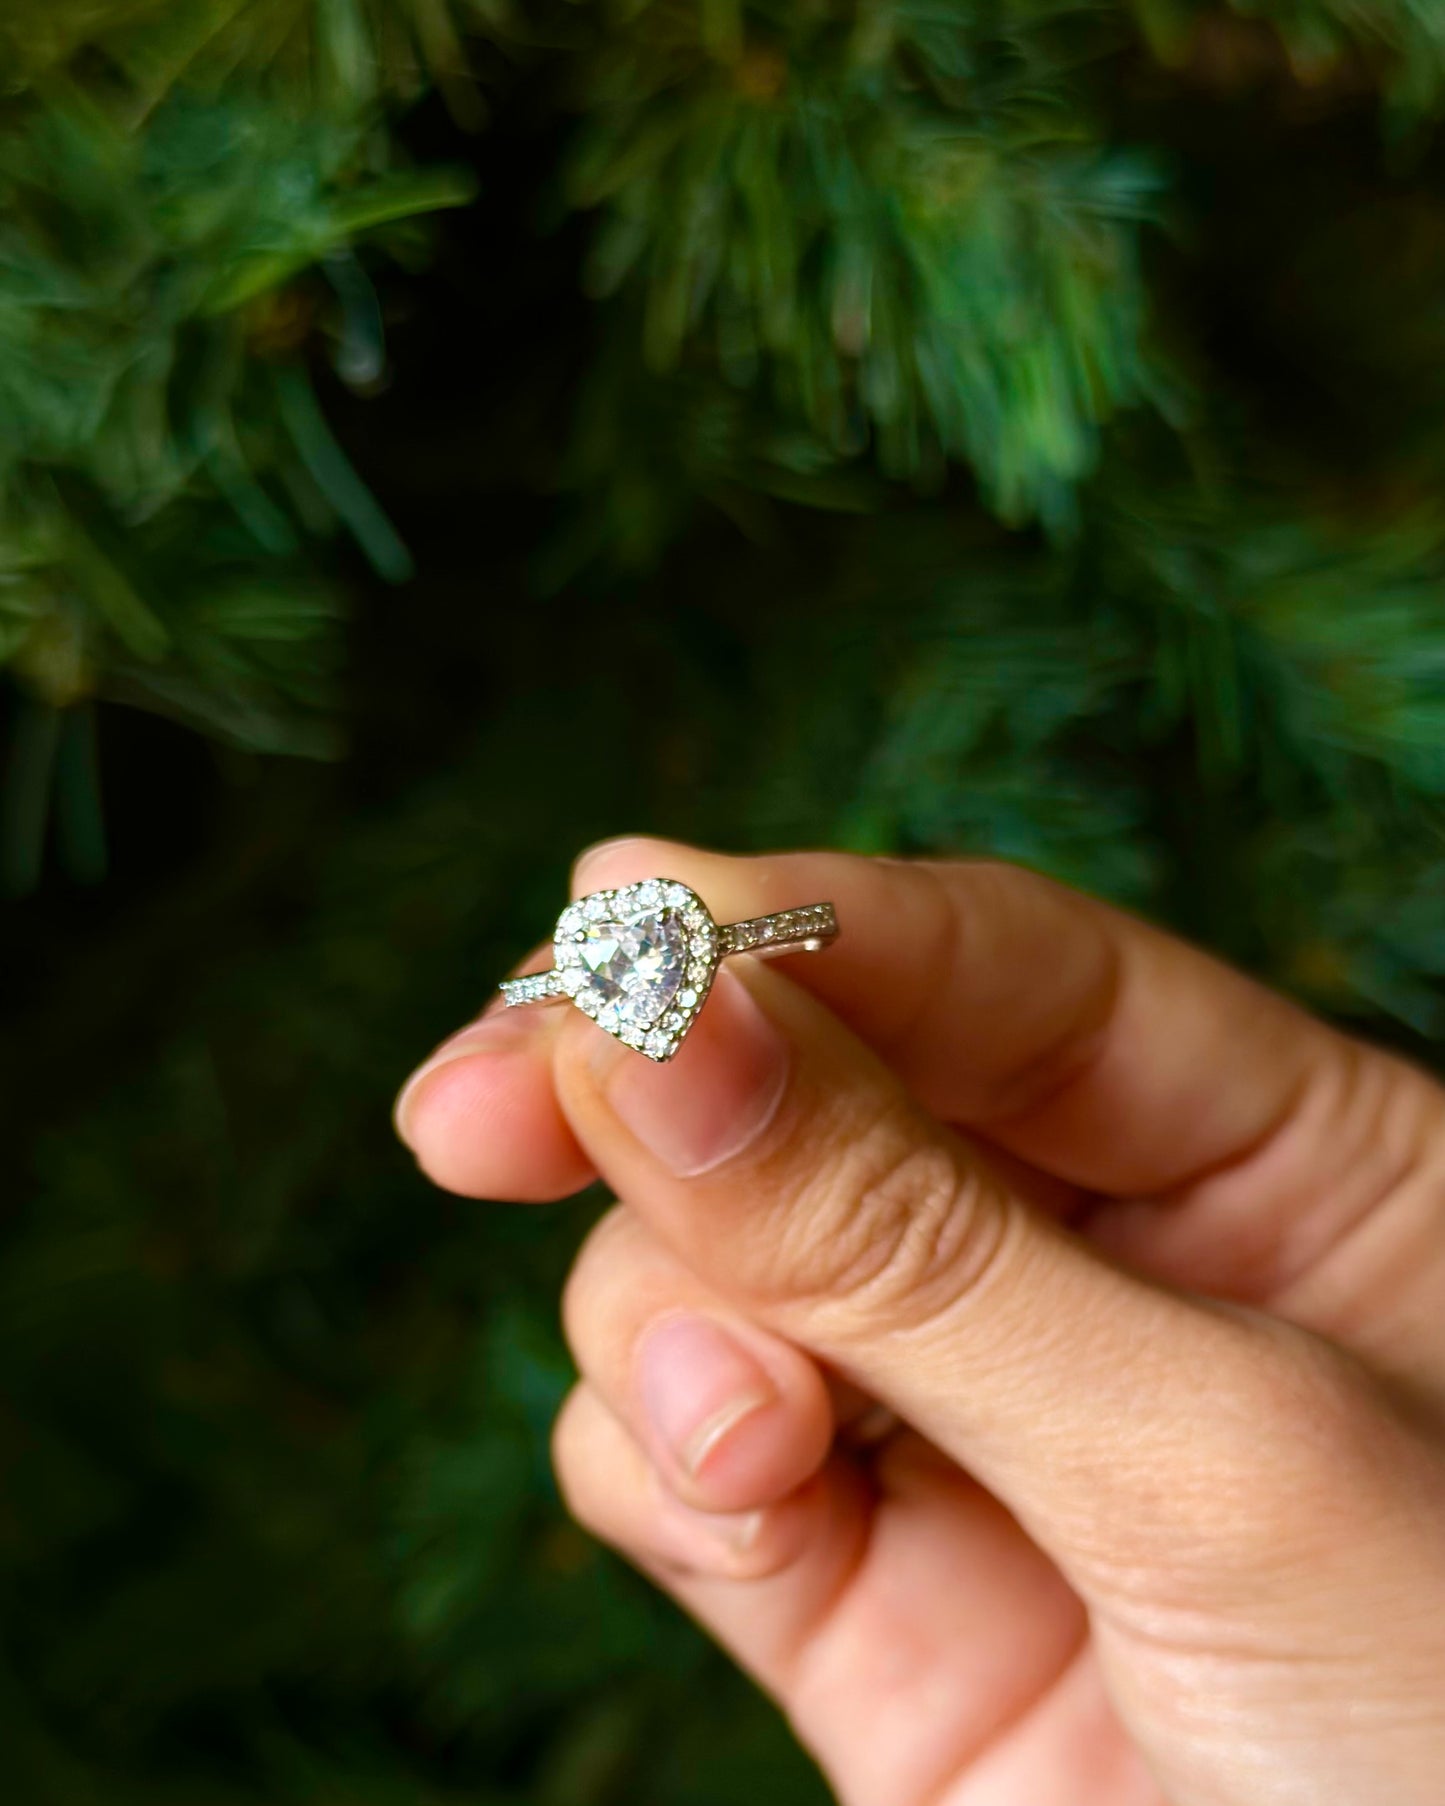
(1149, 1264)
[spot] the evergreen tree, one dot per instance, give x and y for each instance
(435, 432)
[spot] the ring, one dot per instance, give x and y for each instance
(640, 960)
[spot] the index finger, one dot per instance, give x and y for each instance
(1077, 1037)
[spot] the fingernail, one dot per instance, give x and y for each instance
(697, 1384)
(697, 1533)
(499, 1029)
(599, 848)
(737, 1531)
(715, 1098)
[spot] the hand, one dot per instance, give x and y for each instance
(1149, 1265)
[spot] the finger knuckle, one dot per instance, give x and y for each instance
(903, 1225)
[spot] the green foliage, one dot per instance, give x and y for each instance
(906, 232)
(163, 464)
(1404, 40)
(930, 426)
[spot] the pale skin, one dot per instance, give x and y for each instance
(1020, 1341)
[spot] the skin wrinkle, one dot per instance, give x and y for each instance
(1302, 1240)
(1282, 1271)
(916, 1229)
(1051, 1071)
(1250, 1153)
(1414, 1158)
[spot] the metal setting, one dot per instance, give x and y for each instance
(640, 959)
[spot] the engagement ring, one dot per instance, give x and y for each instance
(639, 960)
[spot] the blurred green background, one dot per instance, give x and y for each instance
(434, 433)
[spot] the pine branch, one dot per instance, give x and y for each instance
(901, 226)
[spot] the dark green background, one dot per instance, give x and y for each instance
(361, 561)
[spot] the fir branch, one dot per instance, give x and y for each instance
(909, 235)
(141, 278)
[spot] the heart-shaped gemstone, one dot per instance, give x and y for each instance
(636, 966)
(639, 961)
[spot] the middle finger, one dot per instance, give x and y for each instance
(733, 1417)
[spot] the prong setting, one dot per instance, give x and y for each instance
(639, 960)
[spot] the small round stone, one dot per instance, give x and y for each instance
(687, 998)
(659, 1043)
(595, 908)
(678, 895)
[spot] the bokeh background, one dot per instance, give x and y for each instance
(434, 433)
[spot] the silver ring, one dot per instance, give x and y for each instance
(640, 960)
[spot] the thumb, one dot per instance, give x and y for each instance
(787, 1166)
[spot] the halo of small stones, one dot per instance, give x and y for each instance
(659, 1040)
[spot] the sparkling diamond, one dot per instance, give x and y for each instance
(633, 966)
(658, 1044)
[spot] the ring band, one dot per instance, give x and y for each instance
(640, 960)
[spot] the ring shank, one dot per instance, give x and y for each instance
(808, 929)
(805, 930)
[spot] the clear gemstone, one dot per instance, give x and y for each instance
(634, 966)
(658, 1043)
